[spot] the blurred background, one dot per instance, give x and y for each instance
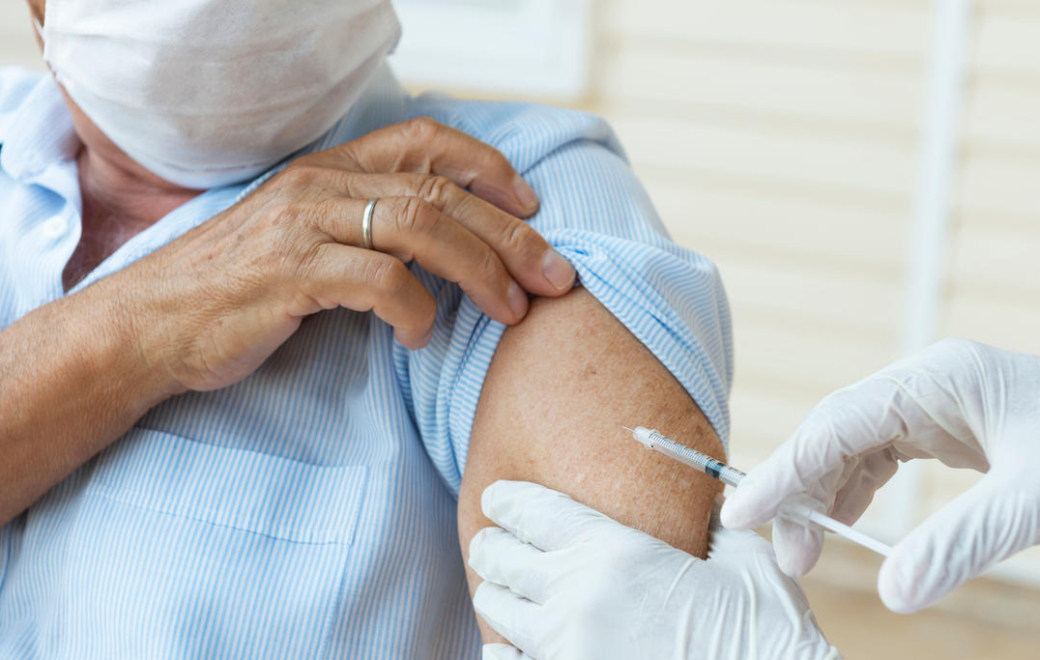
(865, 174)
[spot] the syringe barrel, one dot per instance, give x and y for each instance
(688, 456)
(798, 510)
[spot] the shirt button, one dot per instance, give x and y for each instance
(56, 227)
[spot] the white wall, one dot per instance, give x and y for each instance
(17, 45)
(782, 139)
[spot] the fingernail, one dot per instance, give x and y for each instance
(525, 193)
(558, 270)
(487, 498)
(517, 300)
(729, 517)
(476, 546)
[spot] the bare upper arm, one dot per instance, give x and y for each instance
(559, 387)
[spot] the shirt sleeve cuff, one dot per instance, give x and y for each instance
(670, 298)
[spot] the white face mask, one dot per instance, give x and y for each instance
(209, 92)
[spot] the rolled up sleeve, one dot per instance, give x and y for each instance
(597, 215)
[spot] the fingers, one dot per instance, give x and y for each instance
(727, 543)
(503, 652)
(499, 557)
(408, 228)
(798, 546)
(986, 524)
(426, 146)
(857, 420)
(527, 256)
(362, 280)
(511, 616)
(542, 517)
(872, 472)
(743, 552)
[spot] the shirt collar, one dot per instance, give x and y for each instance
(40, 133)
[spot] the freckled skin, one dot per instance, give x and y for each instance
(560, 386)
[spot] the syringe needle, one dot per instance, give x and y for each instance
(628, 429)
(715, 468)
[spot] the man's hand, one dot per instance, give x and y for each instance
(211, 306)
(964, 403)
(562, 581)
(206, 310)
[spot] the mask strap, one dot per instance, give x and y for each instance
(38, 26)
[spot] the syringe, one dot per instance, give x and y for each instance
(653, 439)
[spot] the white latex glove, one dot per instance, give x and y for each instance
(966, 404)
(565, 582)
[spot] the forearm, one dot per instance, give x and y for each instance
(71, 382)
(560, 385)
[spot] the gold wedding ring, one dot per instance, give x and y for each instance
(366, 224)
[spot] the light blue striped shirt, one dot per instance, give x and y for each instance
(309, 510)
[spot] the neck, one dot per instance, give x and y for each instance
(125, 191)
(112, 182)
(120, 199)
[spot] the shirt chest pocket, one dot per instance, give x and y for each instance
(183, 549)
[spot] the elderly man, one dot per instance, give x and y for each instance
(262, 348)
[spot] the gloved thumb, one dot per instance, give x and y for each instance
(986, 524)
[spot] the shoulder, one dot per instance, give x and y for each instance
(16, 84)
(571, 158)
(526, 133)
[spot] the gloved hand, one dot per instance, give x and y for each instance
(565, 582)
(966, 404)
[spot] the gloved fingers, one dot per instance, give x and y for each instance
(738, 546)
(797, 546)
(545, 518)
(871, 473)
(727, 543)
(511, 616)
(499, 557)
(503, 652)
(984, 525)
(749, 558)
(849, 423)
